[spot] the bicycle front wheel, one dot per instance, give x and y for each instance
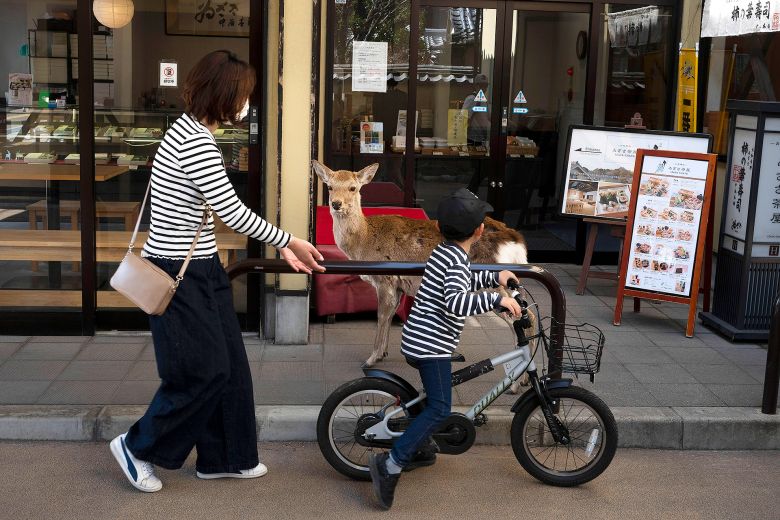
(592, 430)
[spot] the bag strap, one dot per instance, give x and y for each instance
(187, 259)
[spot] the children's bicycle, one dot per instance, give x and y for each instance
(561, 434)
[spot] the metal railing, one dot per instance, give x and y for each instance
(772, 375)
(530, 272)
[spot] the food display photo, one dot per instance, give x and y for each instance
(668, 212)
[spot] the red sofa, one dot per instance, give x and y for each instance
(340, 294)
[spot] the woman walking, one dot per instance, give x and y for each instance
(205, 399)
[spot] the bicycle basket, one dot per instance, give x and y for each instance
(581, 349)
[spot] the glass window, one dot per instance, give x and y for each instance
(455, 86)
(368, 123)
(741, 67)
(133, 110)
(39, 190)
(635, 69)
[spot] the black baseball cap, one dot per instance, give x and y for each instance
(461, 212)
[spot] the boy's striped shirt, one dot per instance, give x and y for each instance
(445, 298)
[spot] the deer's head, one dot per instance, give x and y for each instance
(344, 187)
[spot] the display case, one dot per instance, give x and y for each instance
(123, 137)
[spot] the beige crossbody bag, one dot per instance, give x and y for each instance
(142, 282)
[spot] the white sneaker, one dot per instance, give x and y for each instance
(257, 471)
(139, 472)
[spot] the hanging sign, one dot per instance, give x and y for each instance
(733, 17)
(369, 66)
(667, 227)
(688, 73)
(633, 27)
(169, 74)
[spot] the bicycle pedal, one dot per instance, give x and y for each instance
(480, 420)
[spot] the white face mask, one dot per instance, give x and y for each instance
(244, 111)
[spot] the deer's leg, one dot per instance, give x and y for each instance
(388, 296)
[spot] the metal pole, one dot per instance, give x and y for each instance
(772, 375)
(550, 282)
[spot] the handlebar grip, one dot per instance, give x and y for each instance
(512, 284)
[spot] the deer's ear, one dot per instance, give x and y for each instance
(366, 174)
(322, 171)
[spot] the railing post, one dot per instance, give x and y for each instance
(772, 375)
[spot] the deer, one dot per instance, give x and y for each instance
(399, 239)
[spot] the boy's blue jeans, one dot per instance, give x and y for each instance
(436, 375)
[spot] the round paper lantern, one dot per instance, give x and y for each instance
(113, 13)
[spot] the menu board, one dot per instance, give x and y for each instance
(599, 166)
(663, 252)
(666, 225)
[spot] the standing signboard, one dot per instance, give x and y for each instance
(667, 228)
(599, 166)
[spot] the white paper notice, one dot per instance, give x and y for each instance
(20, 89)
(369, 66)
(169, 74)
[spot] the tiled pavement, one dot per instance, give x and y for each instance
(647, 361)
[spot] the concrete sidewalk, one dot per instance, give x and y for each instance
(666, 390)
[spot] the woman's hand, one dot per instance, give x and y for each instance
(302, 256)
(505, 276)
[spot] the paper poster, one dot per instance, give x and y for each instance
(20, 89)
(766, 226)
(600, 167)
(169, 74)
(371, 137)
(400, 127)
(733, 17)
(369, 66)
(666, 225)
(457, 126)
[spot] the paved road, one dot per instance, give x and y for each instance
(74, 481)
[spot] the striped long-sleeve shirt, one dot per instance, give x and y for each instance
(187, 174)
(445, 298)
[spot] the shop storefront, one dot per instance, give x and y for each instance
(88, 101)
(495, 87)
(441, 94)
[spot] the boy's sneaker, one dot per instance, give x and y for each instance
(139, 472)
(425, 456)
(257, 471)
(384, 482)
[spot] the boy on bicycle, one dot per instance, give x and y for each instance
(431, 333)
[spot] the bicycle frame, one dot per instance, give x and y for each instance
(515, 363)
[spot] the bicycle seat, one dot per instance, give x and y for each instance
(456, 357)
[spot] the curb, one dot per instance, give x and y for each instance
(678, 428)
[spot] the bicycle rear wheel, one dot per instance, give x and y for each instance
(592, 430)
(346, 414)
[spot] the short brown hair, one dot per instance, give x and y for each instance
(217, 87)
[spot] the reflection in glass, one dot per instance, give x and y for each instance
(39, 192)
